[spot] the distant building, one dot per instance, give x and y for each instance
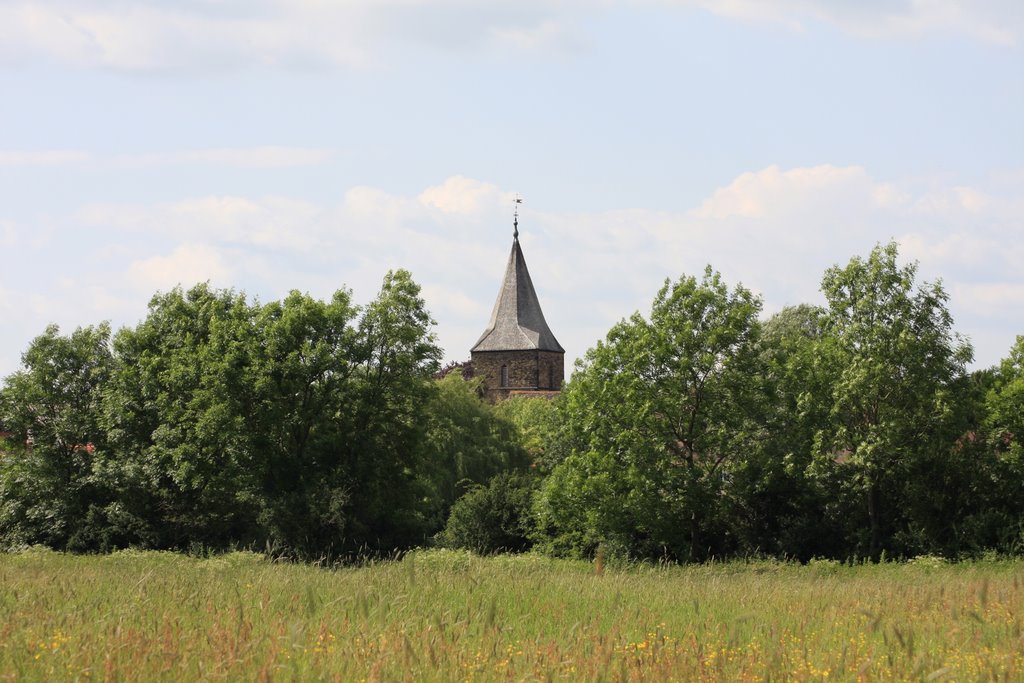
(517, 353)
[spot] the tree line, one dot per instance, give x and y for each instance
(698, 430)
(309, 427)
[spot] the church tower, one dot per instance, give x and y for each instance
(517, 355)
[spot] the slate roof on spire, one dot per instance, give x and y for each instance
(517, 323)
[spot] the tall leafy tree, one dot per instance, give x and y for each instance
(1004, 429)
(898, 361)
(395, 358)
(295, 424)
(49, 489)
(659, 407)
(775, 507)
(302, 379)
(467, 442)
(958, 499)
(178, 415)
(1005, 403)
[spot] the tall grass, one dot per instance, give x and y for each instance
(448, 616)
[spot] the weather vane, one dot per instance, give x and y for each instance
(515, 217)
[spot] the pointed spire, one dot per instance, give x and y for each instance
(517, 323)
(515, 218)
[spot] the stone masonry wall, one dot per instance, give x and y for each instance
(552, 370)
(527, 370)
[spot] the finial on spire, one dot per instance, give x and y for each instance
(515, 218)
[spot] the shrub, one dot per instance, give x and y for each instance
(492, 518)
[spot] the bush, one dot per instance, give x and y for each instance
(492, 518)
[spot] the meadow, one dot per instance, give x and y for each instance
(448, 616)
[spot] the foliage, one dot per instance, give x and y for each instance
(462, 368)
(178, 421)
(467, 442)
(396, 356)
(1005, 403)
(541, 426)
(325, 429)
(303, 381)
(774, 506)
(47, 491)
(218, 422)
(1001, 513)
(660, 407)
(492, 518)
(892, 402)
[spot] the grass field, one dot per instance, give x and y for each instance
(449, 616)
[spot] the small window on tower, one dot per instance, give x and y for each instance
(504, 375)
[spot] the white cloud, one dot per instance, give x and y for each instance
(774, 229)
(156, 36)
(186, 265)
(546, 36)
(445, 299)
(772, 191)
(951, 250)
(992, 298)
(388, 209)
(7, 302)
(958, 200)
(269, 222)
(778, 230)
(152, 35)
(462, 195)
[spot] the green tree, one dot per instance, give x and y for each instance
(1005, 405)
(466, 443)
(658, 409)
(48, 491)
(898, 362)
(960, 498)
(775, 506)
(541, 426)
(302, 378)
(396, 356)
(296, 424)
(1003, 425)
(311, 427)
(178, 413)
(494, 517)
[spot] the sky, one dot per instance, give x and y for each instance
(311, 145)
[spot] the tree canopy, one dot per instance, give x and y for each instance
(658, 409)
(305, 426)
(702, 429)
